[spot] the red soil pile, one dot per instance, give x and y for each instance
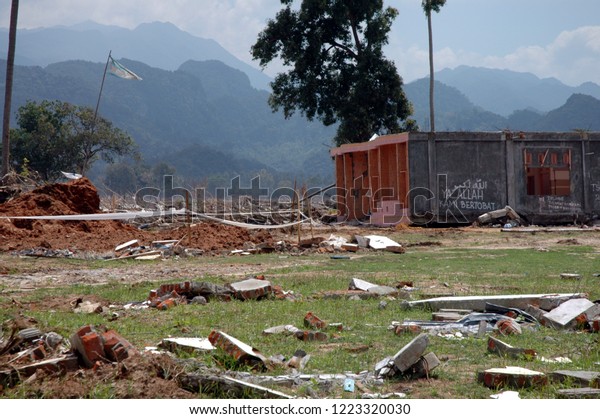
(81, 197)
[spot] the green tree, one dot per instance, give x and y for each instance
(428, 7)
(55, 136)
(337, 71)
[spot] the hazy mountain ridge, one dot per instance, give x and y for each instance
(205, 117)
(158, 44)
(505, 91)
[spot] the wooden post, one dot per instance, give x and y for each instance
(188, 217)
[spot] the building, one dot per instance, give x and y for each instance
(453, 177)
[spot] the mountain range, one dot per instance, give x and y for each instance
(204, 112)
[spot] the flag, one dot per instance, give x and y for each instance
(117, 69)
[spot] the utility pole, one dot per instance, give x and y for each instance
(10, 67)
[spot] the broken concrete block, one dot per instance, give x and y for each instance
(385, 367)
(359, 284)
(496, 346)
(186, 344)
(286, 329)
(424, 366)
(579, 378)
(237, 349)
(251, 289)
(511, 377)
(311, 320)
(572, 314)
(381, 242)
(411, 352)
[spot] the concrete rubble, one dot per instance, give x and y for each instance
(186, 344)
(49, 352)
(505, 215)
(515, 377)
(187, 292)
(373, 242)
(409, 360)
(589, 379)
(238, 350)
(505, 350)
(478, 302)
(92, 346)
(572, 314)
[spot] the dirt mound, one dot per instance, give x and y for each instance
(81, 197)
(75, 197)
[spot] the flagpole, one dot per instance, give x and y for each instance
(100, 94)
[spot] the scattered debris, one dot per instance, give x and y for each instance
(384, 243)
(579, 378)
(507, 213)
(478, 303)
(505, 350)
(186, 344)
(409, 360)
(251, 289)
(222, 386)
(286, 329)
(94, 346)
(516, 377)
(572, 314)
(238, 350)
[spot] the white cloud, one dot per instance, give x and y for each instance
(573, 58)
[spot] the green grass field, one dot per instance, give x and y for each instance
(434, 270)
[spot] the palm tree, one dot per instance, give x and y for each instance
(428, 7)
(10, 66)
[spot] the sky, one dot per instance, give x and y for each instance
(549, 38)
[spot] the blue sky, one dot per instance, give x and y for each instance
(550, 38)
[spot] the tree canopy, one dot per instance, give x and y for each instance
(337, 71)
(55, 136)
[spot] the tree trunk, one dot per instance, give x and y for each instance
(10, 66)
(431, 105)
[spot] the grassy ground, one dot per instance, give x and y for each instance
(451, 264)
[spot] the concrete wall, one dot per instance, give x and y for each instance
(455, 177)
